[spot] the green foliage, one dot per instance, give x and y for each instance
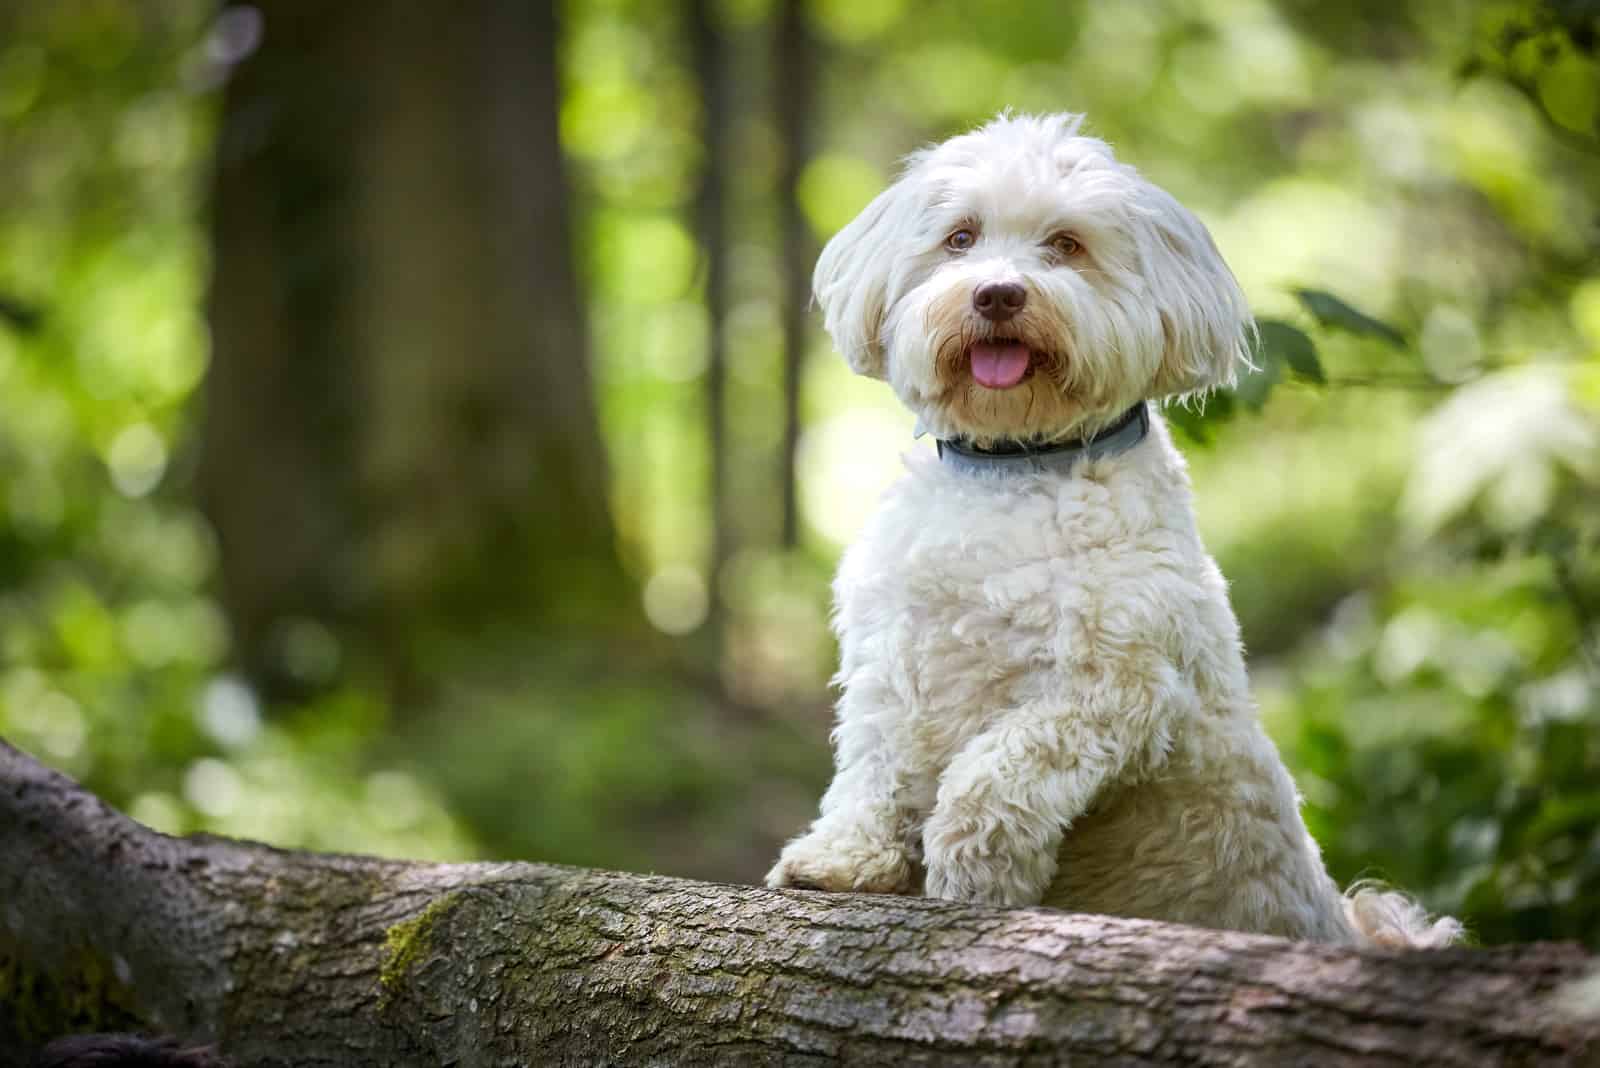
(1278, 343)
(1453, 758)
(113, 646)
(1329, 310)
(1198, 417)
(1445, 725)
(632, 769)
(19, 315)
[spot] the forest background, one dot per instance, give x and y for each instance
(414, 438)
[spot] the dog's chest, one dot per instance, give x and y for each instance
(962, 605)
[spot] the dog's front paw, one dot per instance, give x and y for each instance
(843, 864)
(984, 865)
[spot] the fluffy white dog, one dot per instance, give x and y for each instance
(1044, 693)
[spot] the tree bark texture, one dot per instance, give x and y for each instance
(311, 960)
(399, 413)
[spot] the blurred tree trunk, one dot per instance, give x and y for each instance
(307, 960)
(399, 416)
(796, 61)
(712, 68)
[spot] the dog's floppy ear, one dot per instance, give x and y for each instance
(1204, 314)
(852, 278)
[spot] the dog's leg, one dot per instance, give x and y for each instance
(855, 845)
(858, 843)
(1008, 797)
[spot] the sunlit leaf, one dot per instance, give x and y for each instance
(1329, 310)
(1508, 439)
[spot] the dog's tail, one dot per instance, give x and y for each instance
(1392, 920)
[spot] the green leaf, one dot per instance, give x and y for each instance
(1255, 386)
(1199, 418)
(1329, 310)
(23, 316)
(1278, 342)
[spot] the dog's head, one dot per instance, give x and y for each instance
(1019, 282)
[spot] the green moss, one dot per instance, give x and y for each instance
(83, 994)
(406, 942)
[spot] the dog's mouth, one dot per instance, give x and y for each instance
(999, 363)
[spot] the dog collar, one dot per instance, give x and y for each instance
(1024, 458)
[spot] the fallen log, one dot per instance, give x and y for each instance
(290, 958)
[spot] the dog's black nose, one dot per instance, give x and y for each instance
(999, 301)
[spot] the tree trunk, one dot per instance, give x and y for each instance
(796, 60)
(711, 63)
(306, 960)
(399, 421)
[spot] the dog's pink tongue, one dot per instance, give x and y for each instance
(999, 364)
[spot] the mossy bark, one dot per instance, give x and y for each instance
(308, 960)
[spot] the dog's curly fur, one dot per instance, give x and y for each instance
(1044, 697)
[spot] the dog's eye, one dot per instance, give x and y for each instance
(960, 240)
(1065, 245)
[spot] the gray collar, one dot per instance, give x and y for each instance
(1022, 458)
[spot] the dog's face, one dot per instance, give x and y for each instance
(1018, 282)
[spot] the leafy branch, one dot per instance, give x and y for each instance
(1285, 354)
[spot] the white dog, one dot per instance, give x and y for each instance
(1044, 693)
